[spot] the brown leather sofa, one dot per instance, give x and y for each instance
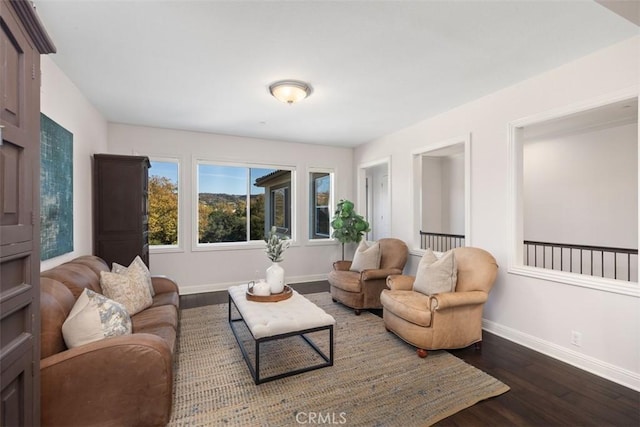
(118, 381)
(361, 290)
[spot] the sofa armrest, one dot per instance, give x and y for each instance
(400, 282)
(162, 284)
(125, 380)
(457, 299)
(342, 265)
(379, 273)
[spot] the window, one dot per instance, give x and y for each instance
(163, 203)
(321, 201)
(232, 206)
(575, 196)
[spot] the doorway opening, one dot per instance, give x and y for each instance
(374, 183)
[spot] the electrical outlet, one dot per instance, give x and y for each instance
(576, 338)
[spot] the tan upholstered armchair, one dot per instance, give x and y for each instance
(442, 321)
(361, 290)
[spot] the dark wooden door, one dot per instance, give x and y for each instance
(19, 213)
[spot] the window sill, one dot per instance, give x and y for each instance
(322, 242)
(580, 280)
(165, 249)
(234, 246)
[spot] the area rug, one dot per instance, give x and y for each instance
(376, 380)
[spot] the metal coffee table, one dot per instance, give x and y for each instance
(269, 321)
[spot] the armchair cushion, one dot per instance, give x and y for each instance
(435, 275)
(408, 305)
(346, 280)
(95, 317)
(366, 257)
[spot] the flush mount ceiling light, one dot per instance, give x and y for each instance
(290, 91)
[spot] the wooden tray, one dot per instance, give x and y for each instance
(285, 294)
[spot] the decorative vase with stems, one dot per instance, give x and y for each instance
(347, 225)
(276, 245)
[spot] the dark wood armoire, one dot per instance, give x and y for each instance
(22, 41)
(121, 208)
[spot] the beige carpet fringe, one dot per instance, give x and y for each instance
(377, 379)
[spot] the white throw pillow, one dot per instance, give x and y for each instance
(136, 264)
(94, 317)
(129, 289)
(435, 276)
(367, 257)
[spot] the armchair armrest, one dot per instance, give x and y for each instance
(379, 273)
(162, 284)
(457, 299)
(125, 380)
(342, 265)
(400, 282)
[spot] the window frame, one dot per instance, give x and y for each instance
(311, 203)
(515, 231)
(196, 246)
(179, 247)
(286, 194)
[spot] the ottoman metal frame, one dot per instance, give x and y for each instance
(255, 370)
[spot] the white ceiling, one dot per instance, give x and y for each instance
(375, 66)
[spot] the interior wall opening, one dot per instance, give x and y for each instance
(577, 192)
(441, 195)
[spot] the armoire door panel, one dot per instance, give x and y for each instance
(12, 63)
(17, 383)
(10, 168)
(16, 218)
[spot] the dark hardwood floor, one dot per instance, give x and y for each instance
(544, 391)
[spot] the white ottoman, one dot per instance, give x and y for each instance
(268, 321)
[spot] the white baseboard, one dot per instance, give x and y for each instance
(213, 287)
(587, 363)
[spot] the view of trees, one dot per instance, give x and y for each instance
(163, 211)
(223, 218)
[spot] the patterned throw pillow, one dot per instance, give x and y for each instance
(140, 267)
(435, 276)
(367, 257)
(94, 317)
(129, 289)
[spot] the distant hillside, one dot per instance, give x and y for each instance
(215, 198)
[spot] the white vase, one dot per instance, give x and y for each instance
(275, 278)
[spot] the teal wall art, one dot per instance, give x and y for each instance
(56, 189)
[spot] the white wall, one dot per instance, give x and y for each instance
(453, 194)
(432, 194)
(594, 171)
(63, 102)
(201, 271)
(443, 194)
(537, 313)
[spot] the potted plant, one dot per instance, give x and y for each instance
(348, 226)
(276, 245)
